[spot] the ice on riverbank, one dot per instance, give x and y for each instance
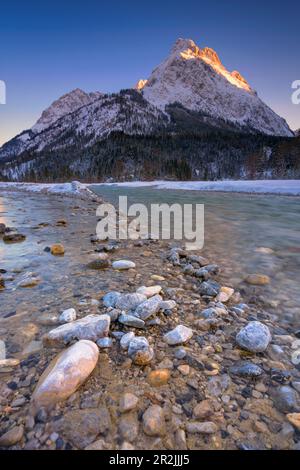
(75, 188)
(284, 187)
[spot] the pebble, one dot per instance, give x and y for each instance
(91, 327)
(154, 421)
(125, 340)
(104, 343)
(128, 402)
(294, 419)
(140, 351)
(131, 320)
(128, 427)
(254, 337)
(180, 334)
(159, 377)
(203, 410)
(156, 277)
(180, 353)
(209, 288)
(74, 364)
(12, 437)
(123, 264)
(13, 238)
(184, 369)
(29, 282)
(206, 427)
(111, 298)
(225, 294)
(99, 264)
(67, 315)
(57, 249)
(148, 308)
(257, 279)
(128, 302)
(285, 399)
(167, 305)
(149, 291)
(246, 369)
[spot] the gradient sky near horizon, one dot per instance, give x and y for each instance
(49, 48)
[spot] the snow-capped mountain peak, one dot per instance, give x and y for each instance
(197, 79)
(64, 105)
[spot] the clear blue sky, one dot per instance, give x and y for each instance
(50, 47)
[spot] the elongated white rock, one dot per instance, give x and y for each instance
(65, 373)
(123, 264)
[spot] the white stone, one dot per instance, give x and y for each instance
(125, 340)
(180, 334)
(67, 315)
(123, 264)
(148, 308)
(65, 374)
(149, 291)
(224, 294)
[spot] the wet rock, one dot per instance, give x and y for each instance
(125, 340)
(12, 437)
(2, 283)
(128, 427)
(91, 327)
(123, 264)
(29, 282)
(99, 264)
(129, 302)
(217, 385)
(82, 427)
(159, 377)
(2, 229)
(225, 294)
(246, 369)
(209, 288)
(294, 419)
(280, 376)
(67, 316)
(285, 399)
(111, 298)
(65, 374)
(203, 410)
(57, 249)
(14, 237)
(128, 402)
(180, 353)
(254, 337)
(154, 421)
(130, 320)
(149, 291)
(33, 347)
(2, 350)
(140, 351)
(180, 334)
(167, 305)
(148, 308)
(104, 343)
(202, 428)
(257, 279)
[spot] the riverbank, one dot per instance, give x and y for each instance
(204, 386)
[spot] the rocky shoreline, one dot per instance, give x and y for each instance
(165, 356)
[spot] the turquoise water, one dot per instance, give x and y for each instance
(237, 226)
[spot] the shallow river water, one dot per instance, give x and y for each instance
(237, 226)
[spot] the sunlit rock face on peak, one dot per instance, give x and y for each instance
(140, 84)
(197, 79)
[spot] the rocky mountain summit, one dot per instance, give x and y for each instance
(191, 95)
